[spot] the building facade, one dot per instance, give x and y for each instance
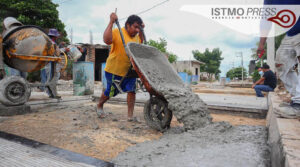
(189, 66)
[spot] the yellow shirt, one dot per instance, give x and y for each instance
(117, 62)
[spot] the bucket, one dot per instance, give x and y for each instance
(83, 78)
(103, 78)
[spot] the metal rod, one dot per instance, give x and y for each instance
(35, 57)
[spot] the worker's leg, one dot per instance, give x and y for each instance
(130, 103)
(296, 99)
(110, 91)
(129, 86)
(99, 110)
(43, 76)
(285, 62)
(259, 88)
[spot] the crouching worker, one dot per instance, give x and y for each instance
(118, 64)
(266, 83)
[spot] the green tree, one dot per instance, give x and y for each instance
(161, 45)
(255, 76)
(212, 60)
(42, 13)
(172, 57)
(236, 73)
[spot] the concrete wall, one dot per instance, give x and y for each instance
(284, 134)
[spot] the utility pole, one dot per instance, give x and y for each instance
(242, 63)
(91, 37)
(71, 35)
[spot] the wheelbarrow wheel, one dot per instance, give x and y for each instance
(156, 114)
(14, 90)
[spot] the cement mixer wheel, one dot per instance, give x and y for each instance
(156, 114)
(14, 90)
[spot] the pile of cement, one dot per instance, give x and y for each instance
(215, 145)
(187, 107)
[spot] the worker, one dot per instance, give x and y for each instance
(287, 56)
(46, 71)
(266, 83)
(118, 64)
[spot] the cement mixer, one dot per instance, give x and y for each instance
(26, 48)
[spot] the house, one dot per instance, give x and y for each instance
(97, 54)
(189, 66)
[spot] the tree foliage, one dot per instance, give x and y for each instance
(212, 60)
(236, 73)
(42, 13)
(161, 45)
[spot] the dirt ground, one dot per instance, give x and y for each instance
(76, 128)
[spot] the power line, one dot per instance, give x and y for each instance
(144, 11)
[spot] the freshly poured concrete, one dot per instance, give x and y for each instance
(210, 144)
(215, 145)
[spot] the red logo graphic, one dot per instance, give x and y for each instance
(284, 18)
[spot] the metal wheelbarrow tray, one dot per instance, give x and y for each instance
(157, 74)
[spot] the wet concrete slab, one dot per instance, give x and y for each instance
(284, 135)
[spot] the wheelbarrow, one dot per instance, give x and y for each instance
(27, 49)
(156, 112)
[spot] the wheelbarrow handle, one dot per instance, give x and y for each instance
(142, 30)
(121, 33)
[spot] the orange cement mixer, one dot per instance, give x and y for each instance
(25, 48)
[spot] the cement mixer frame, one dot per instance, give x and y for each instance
(15, 90)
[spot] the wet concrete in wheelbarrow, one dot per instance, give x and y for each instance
(204, 143)
(187, 107)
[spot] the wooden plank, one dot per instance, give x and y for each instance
(14, 154)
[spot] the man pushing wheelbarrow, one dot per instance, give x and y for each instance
(168, 93)
(118, 63)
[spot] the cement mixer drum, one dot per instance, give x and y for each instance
(28, 49)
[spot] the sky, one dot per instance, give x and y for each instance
(183, 31)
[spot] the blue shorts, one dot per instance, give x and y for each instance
(128, 85)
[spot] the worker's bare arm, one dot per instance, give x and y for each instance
(107, 36)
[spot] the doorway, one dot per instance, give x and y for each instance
(100, 57)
